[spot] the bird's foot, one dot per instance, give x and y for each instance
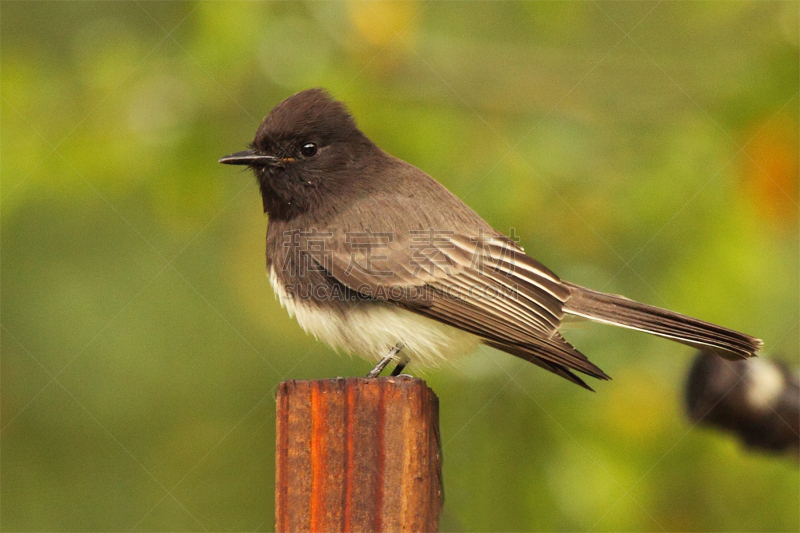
(388, 358)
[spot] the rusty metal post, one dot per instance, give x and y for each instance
(357, 454)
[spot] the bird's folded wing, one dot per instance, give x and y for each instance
(490, 277)
(492, 290)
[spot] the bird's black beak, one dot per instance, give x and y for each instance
(248, 157)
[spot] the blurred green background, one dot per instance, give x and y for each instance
(638, 147)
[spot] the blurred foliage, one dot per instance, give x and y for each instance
(645, 148)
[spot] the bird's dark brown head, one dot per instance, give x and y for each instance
(307, 149)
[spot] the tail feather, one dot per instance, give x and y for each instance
(621, 311)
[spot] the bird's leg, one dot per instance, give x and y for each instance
(401, 364)
(388, 358)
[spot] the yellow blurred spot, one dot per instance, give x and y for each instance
(638, 410)
(771, 170)
(381, 22)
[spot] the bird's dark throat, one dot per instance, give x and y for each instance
(283, 194)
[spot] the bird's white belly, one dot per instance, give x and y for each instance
(371, 328)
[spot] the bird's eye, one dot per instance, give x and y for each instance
(309, 149)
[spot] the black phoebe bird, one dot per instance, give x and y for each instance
(375, 257)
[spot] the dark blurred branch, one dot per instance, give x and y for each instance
(758, 400)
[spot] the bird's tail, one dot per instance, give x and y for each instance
(620, 311)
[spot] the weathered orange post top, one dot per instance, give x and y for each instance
(357, 454)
